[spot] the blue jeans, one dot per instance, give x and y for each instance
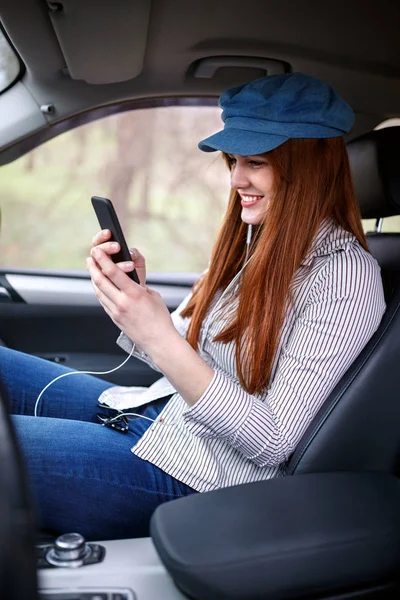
(83, 475)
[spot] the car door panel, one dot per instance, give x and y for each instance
(71, 290)
(58, 317)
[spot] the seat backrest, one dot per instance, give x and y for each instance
(358, 426)
(385, 247)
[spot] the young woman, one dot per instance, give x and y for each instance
(290, 298)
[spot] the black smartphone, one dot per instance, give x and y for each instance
(108, 219)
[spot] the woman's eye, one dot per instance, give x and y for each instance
(256, 163)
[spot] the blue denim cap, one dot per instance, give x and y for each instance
(265, 113)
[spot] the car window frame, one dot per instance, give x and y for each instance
(25, 145)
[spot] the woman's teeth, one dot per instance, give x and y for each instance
(250, 199)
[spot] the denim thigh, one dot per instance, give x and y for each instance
(83, 476)
(23, 377)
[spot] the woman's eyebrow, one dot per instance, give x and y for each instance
(251, 156)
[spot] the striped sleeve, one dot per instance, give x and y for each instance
(181, 325)
(344, 308)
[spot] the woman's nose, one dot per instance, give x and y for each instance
(239, 179)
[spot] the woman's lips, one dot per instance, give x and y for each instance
(250, 200)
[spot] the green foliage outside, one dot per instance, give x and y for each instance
(170, 197)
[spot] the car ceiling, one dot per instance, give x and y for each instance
(94, 53)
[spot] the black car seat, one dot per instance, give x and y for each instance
(358, 427)
(332, 529)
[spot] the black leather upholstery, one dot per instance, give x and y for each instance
(385, 247)
(302, 537)
(358, 427)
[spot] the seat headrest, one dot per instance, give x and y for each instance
(375, 166)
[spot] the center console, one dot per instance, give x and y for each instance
(128, 570)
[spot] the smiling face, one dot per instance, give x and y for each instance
(252, 177)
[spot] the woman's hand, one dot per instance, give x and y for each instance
(100, 240)
(137, 310)
(142, 315)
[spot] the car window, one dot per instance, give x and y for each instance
(388, 225)
(9, 63)
(169, 196)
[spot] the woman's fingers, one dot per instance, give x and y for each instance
(108, 276)
(109, 247)
(140, 264)
(101, 237)
(126, 267)
(138, 257)
(101, 240)
(104, 301)
(100, 281)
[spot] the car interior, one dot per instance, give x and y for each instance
(330, 529)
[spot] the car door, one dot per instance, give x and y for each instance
(57, 317)
(169, 198)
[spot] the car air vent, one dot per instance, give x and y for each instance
(101, 45)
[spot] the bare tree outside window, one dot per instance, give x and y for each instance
(9, 65)
(169, 196)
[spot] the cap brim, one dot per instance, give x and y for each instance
(241, 142)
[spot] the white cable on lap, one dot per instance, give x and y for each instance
(79, 373)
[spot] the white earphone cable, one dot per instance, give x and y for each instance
(79, 373)
(248, 240)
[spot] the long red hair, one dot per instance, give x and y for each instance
(312, 181)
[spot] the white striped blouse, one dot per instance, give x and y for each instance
(230, 437)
